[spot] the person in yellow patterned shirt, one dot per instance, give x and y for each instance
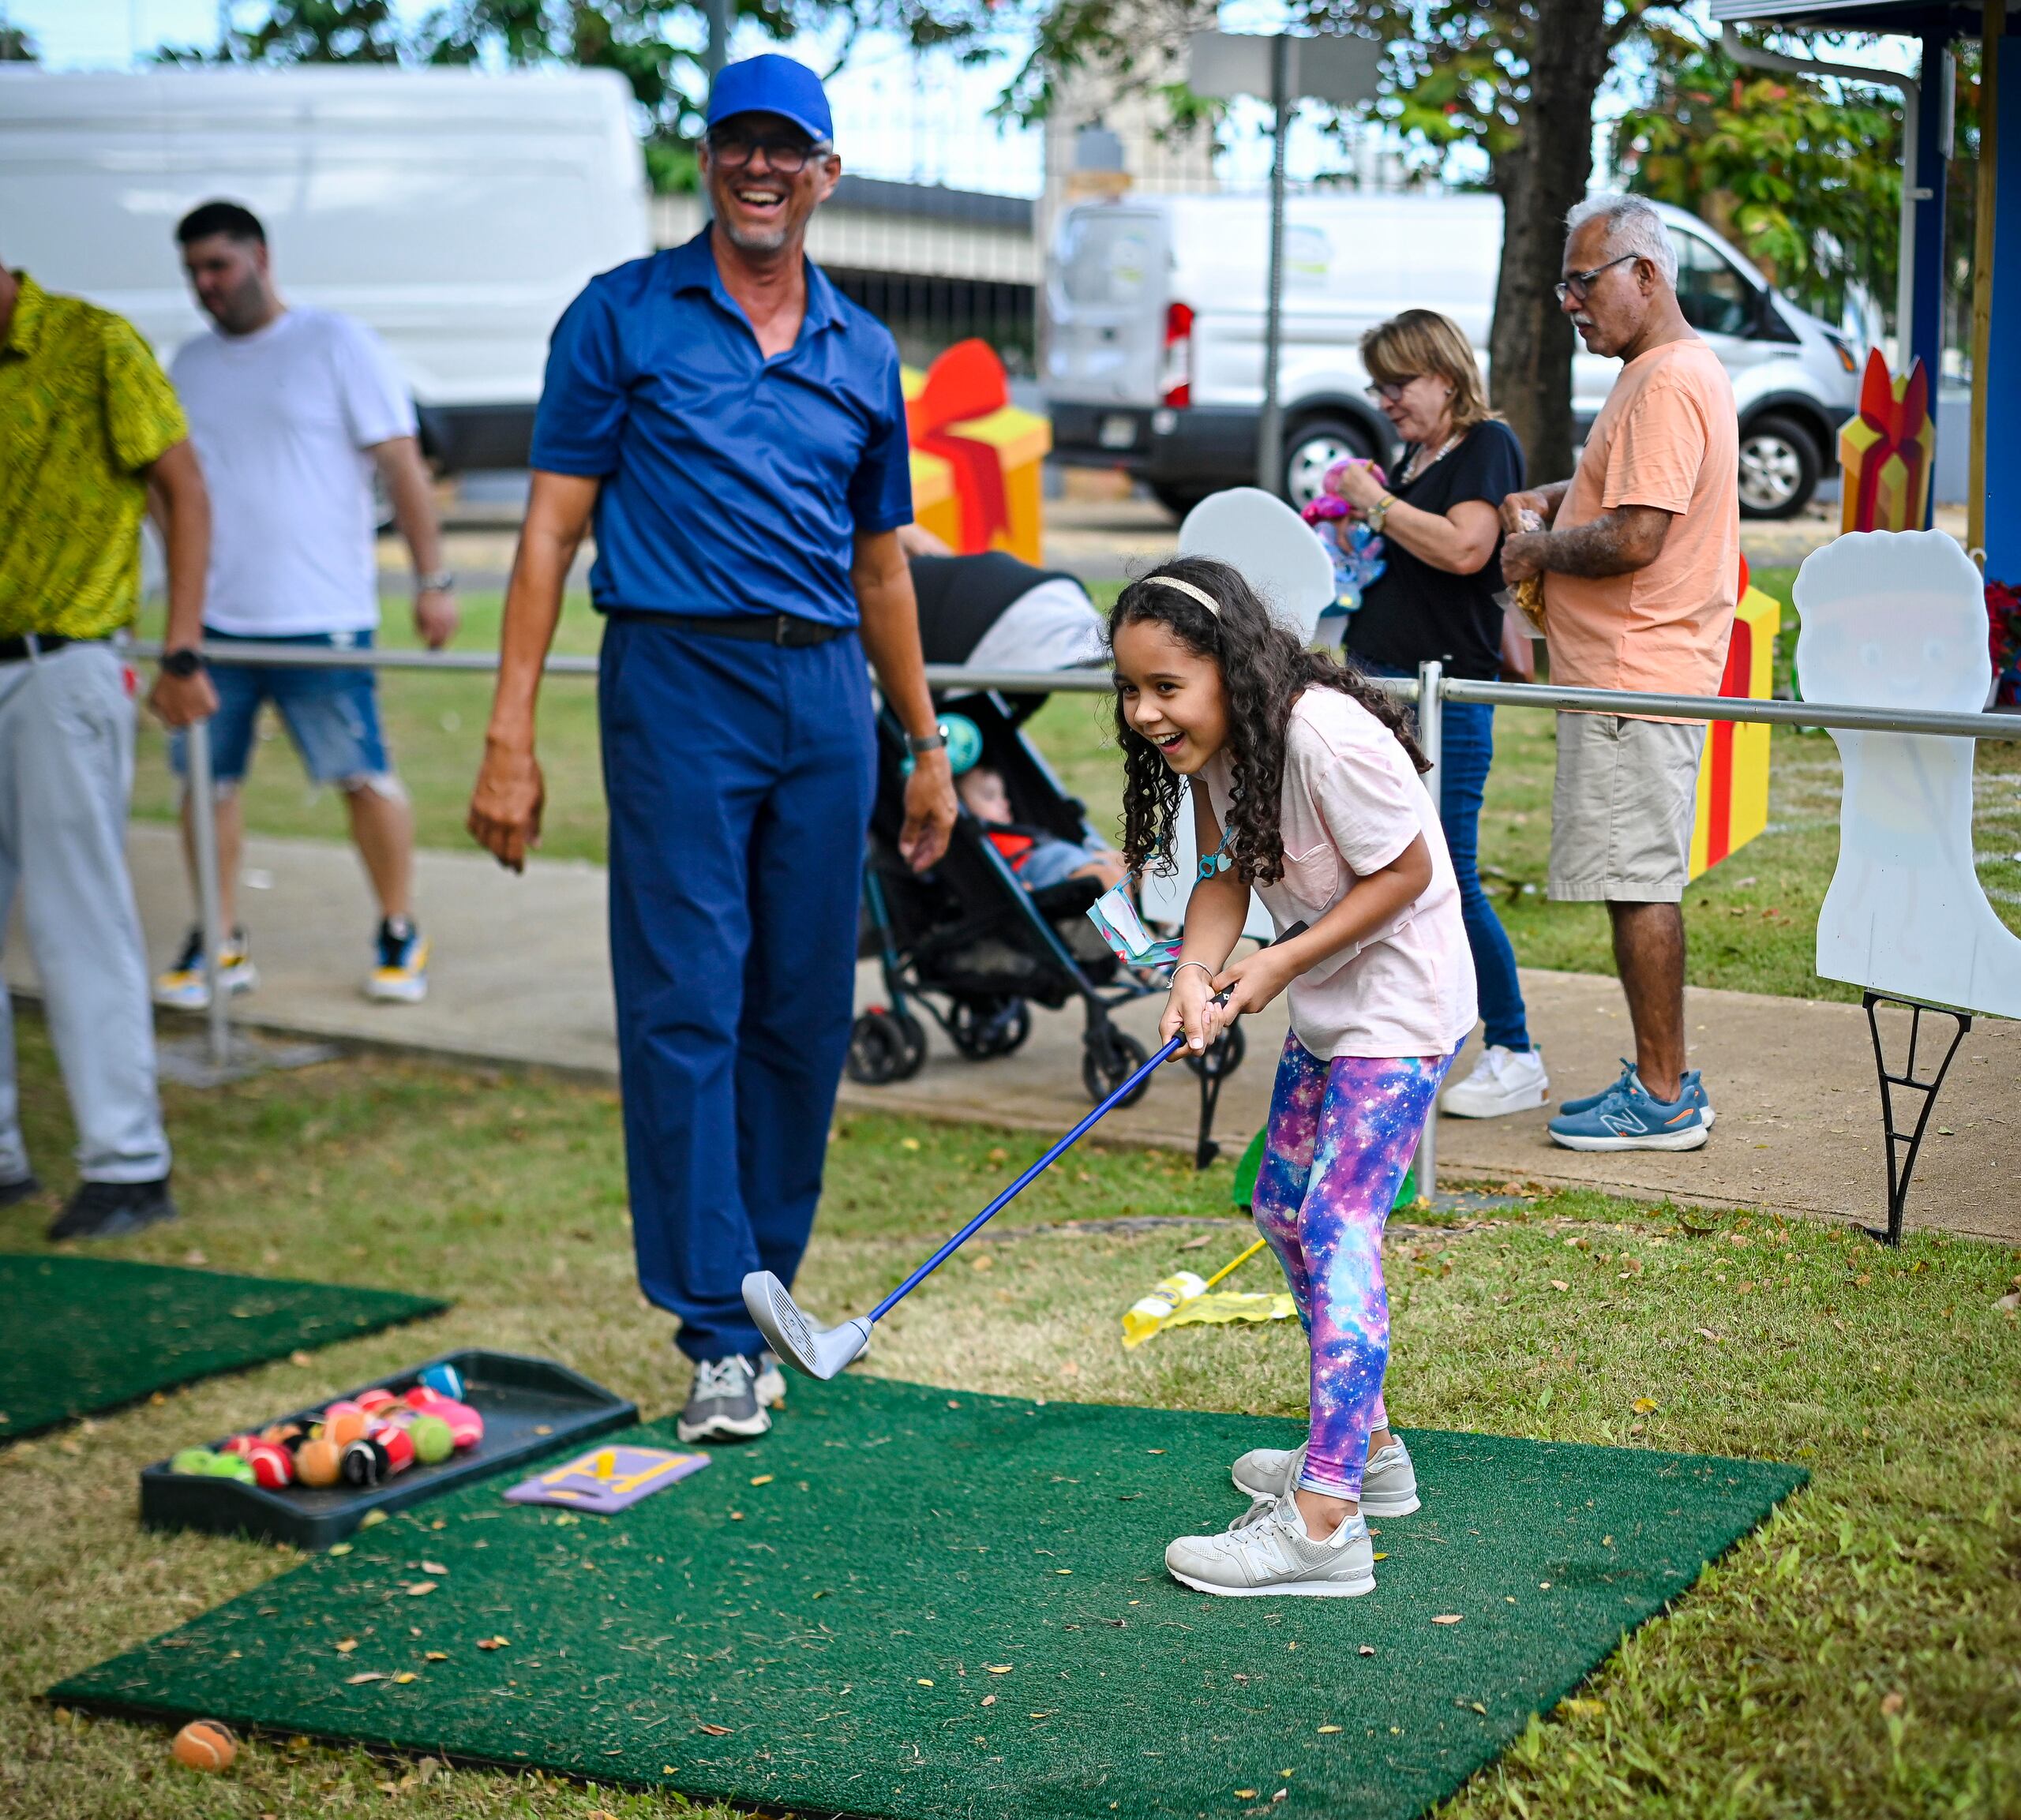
(90, 436)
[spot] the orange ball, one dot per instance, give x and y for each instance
(204, 1744)
(319, 1462)
(346, 1425)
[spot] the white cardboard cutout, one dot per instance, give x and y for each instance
(1256, 534)
(1898, 619)
(1272, 548)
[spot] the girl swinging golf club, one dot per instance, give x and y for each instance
(1307, 787)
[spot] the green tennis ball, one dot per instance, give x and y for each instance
(433, 1438)
(192, 1460)
(231, 1466)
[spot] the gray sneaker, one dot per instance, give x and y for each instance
(1389, 1483)
(1691, 1087)
(723, 1405)
(1275, 1555)
(771, 1384)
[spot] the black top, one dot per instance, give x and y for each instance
(1412, 612)
(961, 598)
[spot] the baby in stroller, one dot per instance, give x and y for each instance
(1038, 858)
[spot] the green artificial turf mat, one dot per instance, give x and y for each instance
(812, 1623)
(79, 1334)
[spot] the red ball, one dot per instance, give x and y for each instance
(241, 1444)
(374, 1400)
(273, 1466)
(466, 1425)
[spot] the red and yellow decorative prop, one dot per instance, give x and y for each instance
(975, 458)
(1888, 450)
(1733, 780)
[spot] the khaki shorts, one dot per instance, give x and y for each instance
(1621, 811)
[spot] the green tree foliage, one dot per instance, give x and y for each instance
(318, 32)
(1804, 180)
(17, 45)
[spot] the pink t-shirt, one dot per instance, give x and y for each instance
(1352, 802)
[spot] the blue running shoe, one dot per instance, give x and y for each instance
(1694, 1091)
(1626, 1118)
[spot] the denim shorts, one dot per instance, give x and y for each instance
(1052, 861)
(332, 716)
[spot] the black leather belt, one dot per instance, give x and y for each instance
(755, 628)
(17, 651)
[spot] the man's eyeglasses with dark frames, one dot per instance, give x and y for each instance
(1577, 283)
(789, 157)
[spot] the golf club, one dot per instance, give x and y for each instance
(821, 1352)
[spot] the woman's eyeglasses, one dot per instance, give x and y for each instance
(1577, 283)
(1391, 391)
(789, 157)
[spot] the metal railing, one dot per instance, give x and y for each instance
(1431, 689)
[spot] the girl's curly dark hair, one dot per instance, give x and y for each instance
(1264, 668)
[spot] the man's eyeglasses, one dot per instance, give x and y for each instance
(789, 157)
(1391, 391)
(1577, 283)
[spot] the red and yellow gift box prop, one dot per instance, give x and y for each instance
(1888, 449)
(1732, 777)
(975, 458)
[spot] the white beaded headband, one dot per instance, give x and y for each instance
(1199, 594)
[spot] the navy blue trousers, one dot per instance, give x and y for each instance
(739, 778)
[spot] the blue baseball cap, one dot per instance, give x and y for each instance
(772, 84)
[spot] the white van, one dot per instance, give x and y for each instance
(1152, 355)
(456, 213)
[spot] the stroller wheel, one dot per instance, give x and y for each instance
(1108, 1057)
(983, 1028)
(1223, 1055)
(877, 1049)
(914, 1035)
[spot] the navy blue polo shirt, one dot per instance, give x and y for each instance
(732, 483)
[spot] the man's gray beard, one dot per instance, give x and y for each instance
(753, 242)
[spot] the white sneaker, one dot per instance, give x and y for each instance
(1504, 1081)
(771, 1382)
(1389, 1481)
(1275, 1555)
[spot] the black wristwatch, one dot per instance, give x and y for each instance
(185, 662)
(918, 743)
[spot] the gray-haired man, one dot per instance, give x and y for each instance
(1641, 568)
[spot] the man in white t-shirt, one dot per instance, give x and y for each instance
(292, 411)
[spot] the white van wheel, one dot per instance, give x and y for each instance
(1778, 468)
(1313, 446)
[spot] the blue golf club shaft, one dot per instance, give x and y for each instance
(1043, 1163)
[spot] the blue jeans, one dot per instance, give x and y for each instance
(1467, 750)
(739, 779)
(332, 716)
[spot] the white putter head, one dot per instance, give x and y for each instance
(1256, 534)
(819, 1351)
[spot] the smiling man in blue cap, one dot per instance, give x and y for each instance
(734, 428)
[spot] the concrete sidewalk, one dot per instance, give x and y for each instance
(521, 976)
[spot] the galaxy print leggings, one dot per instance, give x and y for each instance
(1340, 1136)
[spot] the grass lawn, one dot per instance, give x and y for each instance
(1861, 1656)
(1752, 921)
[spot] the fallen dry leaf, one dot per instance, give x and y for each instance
(1368, 1648)
(714, 1731)
(1558, 1282)
(764, 1479)
(999, 1668)
(1644, 1405)
(420, 1588)
(348, 1645)
(1245, 1794)
(989, 1699)
(341, 1548)
(1585, 1708)
(1205, 1239)
(493, 1642)
(1329, 1728)
(1447, 1618)
(982, 1260)
(2010, 1302)
(1892, 1703)
(437, 1656)
(406, 1675)
(369, 1675)
(434, 1567)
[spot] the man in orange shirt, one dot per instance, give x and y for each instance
(1640, 561)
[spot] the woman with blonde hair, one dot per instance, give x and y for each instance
(1442, 531)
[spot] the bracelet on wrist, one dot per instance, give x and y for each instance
(1183, 965)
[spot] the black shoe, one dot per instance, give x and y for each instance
(723, 1404)
(12, 1192)
(113, 1209)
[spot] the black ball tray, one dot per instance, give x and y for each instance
(531, 1406)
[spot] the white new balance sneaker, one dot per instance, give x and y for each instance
(1504, 1081)
(1275, 1555)
(1389, 1481)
